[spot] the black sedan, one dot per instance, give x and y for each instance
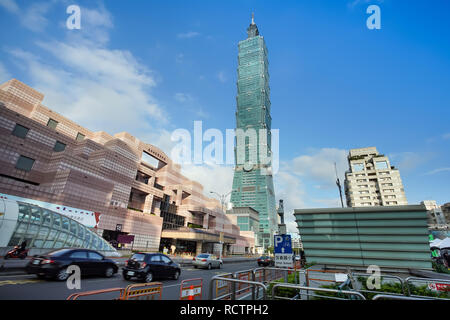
(55, 263)
(147, 266)
(265, 261)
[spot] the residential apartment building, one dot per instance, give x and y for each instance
(131, 186)
(372, 181)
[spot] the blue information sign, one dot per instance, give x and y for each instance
(282, 243)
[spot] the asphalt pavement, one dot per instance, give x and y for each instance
(28, 287)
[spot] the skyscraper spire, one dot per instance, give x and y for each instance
(252, 30)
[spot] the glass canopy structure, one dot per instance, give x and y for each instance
(45, 229)
(252, 182)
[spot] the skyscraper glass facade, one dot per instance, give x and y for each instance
(252, 183)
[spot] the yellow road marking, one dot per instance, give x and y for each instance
(13, 282)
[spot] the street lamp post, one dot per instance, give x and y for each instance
(222, 198)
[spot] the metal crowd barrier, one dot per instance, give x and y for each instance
(395, 297)
(75, 296)
(143, 291)
(299, 287)
(427, 281)
(399, 279)
(232, 295)
(190, 291)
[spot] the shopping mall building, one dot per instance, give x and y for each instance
(115, 186)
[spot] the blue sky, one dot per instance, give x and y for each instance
(150, 67)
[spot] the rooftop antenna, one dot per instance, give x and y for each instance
(338, 183)
(253, 18)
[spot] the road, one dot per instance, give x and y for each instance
(26, 287)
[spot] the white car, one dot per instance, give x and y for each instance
(207, 260)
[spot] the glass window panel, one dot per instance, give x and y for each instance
(65, 223)
(94, 256)
(52, 123)
(59, 146)
(48, 244)
(62, 236)
(24, 213)
(32, 229)
(81, 232)
(38, 243)
(381, 165)
(358, 167)
(87, 238)
(80, 137)
(94, 242)
(20, 131)
(70, 241)
(52, 234)
(14, 241)
(73, 227)
(22, 227)
(35, 215)
(79, 255)
(78, 243)
(58, 244)
(46, 218)
(24, 163)
(43, 232)
(56, 221)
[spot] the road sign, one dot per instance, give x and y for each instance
(283, 251)
(284, 260)
(282, 243)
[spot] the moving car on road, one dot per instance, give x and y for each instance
(55, 264)
(147, 266)
(206, 260)
(265, 261)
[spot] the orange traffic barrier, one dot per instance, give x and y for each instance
(143, 291)
(189, 291)
(75, 296)
(244, 288)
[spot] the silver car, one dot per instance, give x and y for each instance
(207, 260)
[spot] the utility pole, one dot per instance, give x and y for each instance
(222, 198)
(338, 183)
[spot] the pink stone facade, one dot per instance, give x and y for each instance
(99, 172)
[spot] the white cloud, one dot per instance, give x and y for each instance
(10, 5)
(32, 17)
(98, 87)
(213, 177)
(319, 166)
(437, 171)
(298, 179)
(188, 35)
(222, 77)
(183, 97)
(407, 161)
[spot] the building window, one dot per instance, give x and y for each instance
(358, 167)
(20, 131)
(24, 163)
(381, 165)
(52, 123)
(59, 146)
(80, 137)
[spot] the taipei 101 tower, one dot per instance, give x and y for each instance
(253, 182)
